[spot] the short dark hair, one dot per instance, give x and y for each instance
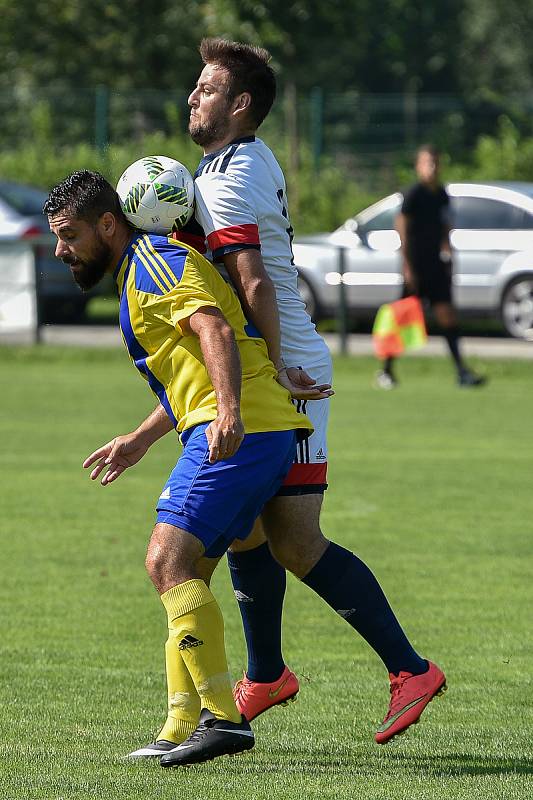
(249, 71)
(85, 194)
(427, 148)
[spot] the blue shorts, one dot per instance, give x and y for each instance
(220, 502)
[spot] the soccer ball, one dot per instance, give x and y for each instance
(157, 194)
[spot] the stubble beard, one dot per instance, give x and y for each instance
(90, 272)
(208, 133)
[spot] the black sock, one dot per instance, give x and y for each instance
(387, 365)
(452, 338)
(350, 588)
(259, 583)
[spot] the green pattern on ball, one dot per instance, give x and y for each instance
(180, 221)
(170, 194)
(134, 197)
(153, 167)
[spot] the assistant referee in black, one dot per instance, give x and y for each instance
(424, 228)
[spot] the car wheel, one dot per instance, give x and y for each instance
(308, 296)
(517, 308)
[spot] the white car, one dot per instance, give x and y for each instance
(492, 237)
(21, 218)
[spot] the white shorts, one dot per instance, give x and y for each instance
(308, 474)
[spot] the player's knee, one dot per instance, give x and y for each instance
(299, 555)
(157, 557)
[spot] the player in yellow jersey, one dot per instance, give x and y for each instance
(187, 335)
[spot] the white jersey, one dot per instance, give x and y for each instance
(241, 203)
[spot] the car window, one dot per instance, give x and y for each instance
(526, 221)
(27, 200)
(481, 213)
(384, 221)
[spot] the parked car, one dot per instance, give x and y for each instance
(492, 235)
(21, 218)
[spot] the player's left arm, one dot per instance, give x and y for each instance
(223, 364)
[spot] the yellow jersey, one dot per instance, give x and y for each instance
(162, 282)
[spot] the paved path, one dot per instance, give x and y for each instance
(361, 344)
(358, 344)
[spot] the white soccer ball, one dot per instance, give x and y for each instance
(157, 194)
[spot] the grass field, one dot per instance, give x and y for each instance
(431, 485)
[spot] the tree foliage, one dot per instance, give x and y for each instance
(365, 45)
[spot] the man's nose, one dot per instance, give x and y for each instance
(193, 99)
(61, 249)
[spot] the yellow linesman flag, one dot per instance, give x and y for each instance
(399, 326)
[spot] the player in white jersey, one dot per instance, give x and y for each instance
(241, 204)
(242, 208)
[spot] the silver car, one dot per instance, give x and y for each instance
(492, 235)
(21, 218)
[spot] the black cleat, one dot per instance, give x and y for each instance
(212, 738)
(153, 749)
(468, 379)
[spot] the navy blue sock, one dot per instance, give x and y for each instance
(259, 583)
(350, 588)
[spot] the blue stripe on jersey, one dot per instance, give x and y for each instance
(207, 160)
(227, 158)
(173, 255)
(139, 354)
(144, 282)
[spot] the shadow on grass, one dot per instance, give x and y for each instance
(456, 764)
(448, 765)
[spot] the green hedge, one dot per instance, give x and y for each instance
(320, 199)
(320, 202)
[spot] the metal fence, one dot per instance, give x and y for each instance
(363, 130)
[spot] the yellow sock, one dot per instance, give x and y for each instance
(183, 699)
(196, 624)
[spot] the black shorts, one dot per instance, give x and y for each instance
(433, 283)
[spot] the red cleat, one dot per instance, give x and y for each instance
(253, 698)
(410, 694)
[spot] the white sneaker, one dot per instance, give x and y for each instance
(384, 380)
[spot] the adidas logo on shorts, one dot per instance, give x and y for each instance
(320, 455)
(189, 641)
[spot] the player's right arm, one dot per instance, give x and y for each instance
(223, 364)
(127, 450)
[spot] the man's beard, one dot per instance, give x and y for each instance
(206, 134)
(91, 271)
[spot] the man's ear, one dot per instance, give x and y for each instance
(107, 224)
(242, 102)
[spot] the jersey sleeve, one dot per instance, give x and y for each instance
(226, 214)
(191, 234)
(190, 294)
(410, 201)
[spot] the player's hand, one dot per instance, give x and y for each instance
(302, 386)
(224, 436)
(116, 456)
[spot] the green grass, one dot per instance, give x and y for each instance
(431, 485)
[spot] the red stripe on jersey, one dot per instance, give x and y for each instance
(236, 234)
(193, 240)
(306, 474)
